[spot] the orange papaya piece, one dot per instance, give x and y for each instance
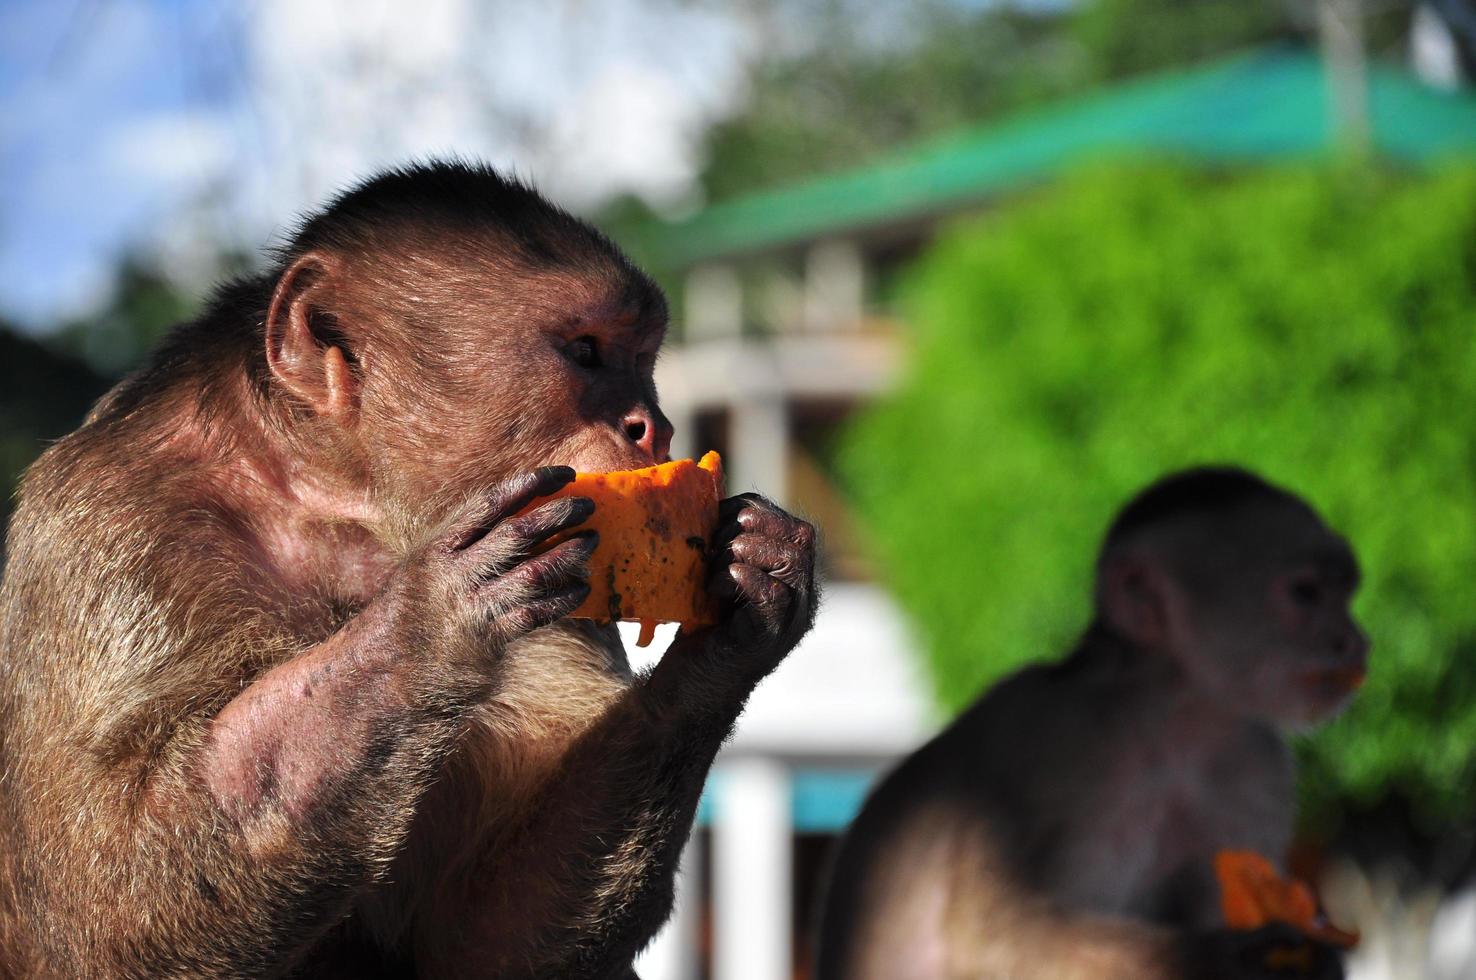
(1253, 894)
(656, 526)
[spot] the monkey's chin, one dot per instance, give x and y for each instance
(1305, 718)
(1320, 696)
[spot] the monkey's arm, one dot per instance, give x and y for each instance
(302, 787)
(587, 880)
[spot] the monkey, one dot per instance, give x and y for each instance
(1066, 825)
(287, 686)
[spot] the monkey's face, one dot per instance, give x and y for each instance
(601, 390)
(1265, 617)
(519, 370)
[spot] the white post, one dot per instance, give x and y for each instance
(759, 437)
(713, 303)
(779, 306)
(672, 955)
(835, 284)
(751, 870)
(1340, 27)
(1433, 50)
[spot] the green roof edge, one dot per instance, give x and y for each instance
(1187, 111)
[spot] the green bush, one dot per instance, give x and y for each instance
(1315, 324)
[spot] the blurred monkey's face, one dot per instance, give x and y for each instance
(1264, 615)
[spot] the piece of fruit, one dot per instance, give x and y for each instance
(656, 525)
(1253, 894)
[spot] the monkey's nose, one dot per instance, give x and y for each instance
(650, 431)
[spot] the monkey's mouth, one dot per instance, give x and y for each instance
(1334, 680)
(603, 457)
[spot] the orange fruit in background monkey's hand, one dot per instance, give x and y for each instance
(1253, 894)
(656, 525)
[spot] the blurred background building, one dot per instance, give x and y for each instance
(785, 167)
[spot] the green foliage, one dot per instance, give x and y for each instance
(1129, 37)
(46, 395)
(49, 386)
(145, 303)
(1126, 37)
(1317, 325)
(880, 75)
(850, 94)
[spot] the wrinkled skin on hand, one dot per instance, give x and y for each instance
(487, 571)
(763, 569)
(644, 762)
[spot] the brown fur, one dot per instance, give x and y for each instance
(273, 695)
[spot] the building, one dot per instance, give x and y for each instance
(785, 330)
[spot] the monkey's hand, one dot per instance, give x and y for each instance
(618, 809)
(763, 570)
(491, 574)
(1273, 952)
(420, 653)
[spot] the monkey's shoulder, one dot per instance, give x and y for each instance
(1044, 705)
(989, 750)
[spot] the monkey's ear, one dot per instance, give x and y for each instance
(305, 349)
(1134, 600)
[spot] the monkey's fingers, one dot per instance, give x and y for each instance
(524, 534)
(762, 596)
(518, 538)
(757, 587)
(536, 613)
(545, 587)
(787, 542)
(565, 562)
(786, 558)
(732, 508)
(729, 507)
(774, 523)
(507, 498)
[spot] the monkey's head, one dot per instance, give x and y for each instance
(1243, 584)
(440, 328)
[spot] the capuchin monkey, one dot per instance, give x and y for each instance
(1066, 825)
(286, 683)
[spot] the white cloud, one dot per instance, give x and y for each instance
(630, 129)
(590, 99)
(183, 148)
(169, 128)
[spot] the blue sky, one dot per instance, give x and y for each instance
(164, 124)
(177, 126)
(76, 80)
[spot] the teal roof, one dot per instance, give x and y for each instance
(1270, 103)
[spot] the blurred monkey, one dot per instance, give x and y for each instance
(1066, 825)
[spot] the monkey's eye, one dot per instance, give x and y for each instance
(1307, 591)
(584, 351)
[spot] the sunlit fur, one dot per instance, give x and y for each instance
(251, 724)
